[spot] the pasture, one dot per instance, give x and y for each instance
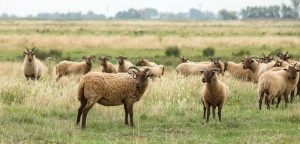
(170, 111)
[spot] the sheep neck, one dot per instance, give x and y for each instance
(141, 90)
(212, 86)
(254, 66)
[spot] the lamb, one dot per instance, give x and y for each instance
(112, 90)
(123, 64)
(237, 71)
(64, 68)
(277, 83)
(145, 62)
(214, 93)
(193, 68)
(108, 67)
(156, 71)
(32, 67)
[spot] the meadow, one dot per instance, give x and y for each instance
(170, 111)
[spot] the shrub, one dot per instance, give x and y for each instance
(172, 51)
(209, 52)
(41, 54)
(241, 53)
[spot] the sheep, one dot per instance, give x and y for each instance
(123, 64)
(193, 68)
(145, 62)
(237, 71)
(108, 67)
(214, 93)
(266, 59)
(183, 60)
(32, 67)
(286, 57)
(277, 83)
(112, 90)
(156, 71)
(64, 68)
(254, 66)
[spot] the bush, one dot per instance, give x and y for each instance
(172, 51)
(241, 53)
(209, 52)
(41, 54)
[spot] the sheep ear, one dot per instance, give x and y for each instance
(285, 69)
(201, 72)
(279, 54)
(99, 58)
(32, 48)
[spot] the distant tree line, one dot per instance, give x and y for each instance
(254, 12)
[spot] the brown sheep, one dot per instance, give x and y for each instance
(145, 62)
(68, 67)
(123, 64)
(112, 90)
(108, 67)
(214, 93)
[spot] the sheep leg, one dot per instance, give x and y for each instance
(261, 96)
(219, 111)
(286, 98)
(292, 95)
(130, 111)
(214, 111)
(126, 114)
(59, 76)
(278, 101)
(268, 102)
(85, 111)
(208, 113)
(204, 109)
(83, 103)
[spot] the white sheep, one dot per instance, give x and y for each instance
(156, 71)
(32, 67)
(236, 70)
(214, 93)
(68, 67)
(193, 68)
(277, 83)
(145, 62)
(108, 67)
(123, 64)
(112, 90)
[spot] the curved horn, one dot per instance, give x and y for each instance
(269, 55)
(32, 48)
(27, 49)
(286, 53)
(147, 71)
(263, 54)
(295, 64)
(133, 67)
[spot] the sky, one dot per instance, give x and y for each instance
(111, 7)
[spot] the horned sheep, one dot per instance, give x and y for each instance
(32, 67)
(277, 83)
(156, 71)
(123, 64)
(108, 67)
(68, 67)
(214, 93)
(112, 90)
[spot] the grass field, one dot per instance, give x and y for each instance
(170, 111)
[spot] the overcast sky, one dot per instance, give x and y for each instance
(111, 7)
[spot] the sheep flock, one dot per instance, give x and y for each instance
(124, 83)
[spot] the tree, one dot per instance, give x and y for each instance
(149, 13)
(295, 4)
(227, 15)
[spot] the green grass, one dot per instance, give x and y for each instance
(170, 111)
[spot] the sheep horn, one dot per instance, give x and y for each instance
(32, 48)
(263, 54)
(286, 53)
(269, 55)
(27, 49)
(133, 67)
(295, 64)
(107, 57)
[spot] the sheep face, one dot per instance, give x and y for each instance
(247, 63)
(88, 59)
(217, 63)
(209, 75)
(292, 71)
(30, 54)
(142, 62)
(282, 56)
(121, 59)
(141, 77)
(103, 60)
(183, 59)
(266, 59)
